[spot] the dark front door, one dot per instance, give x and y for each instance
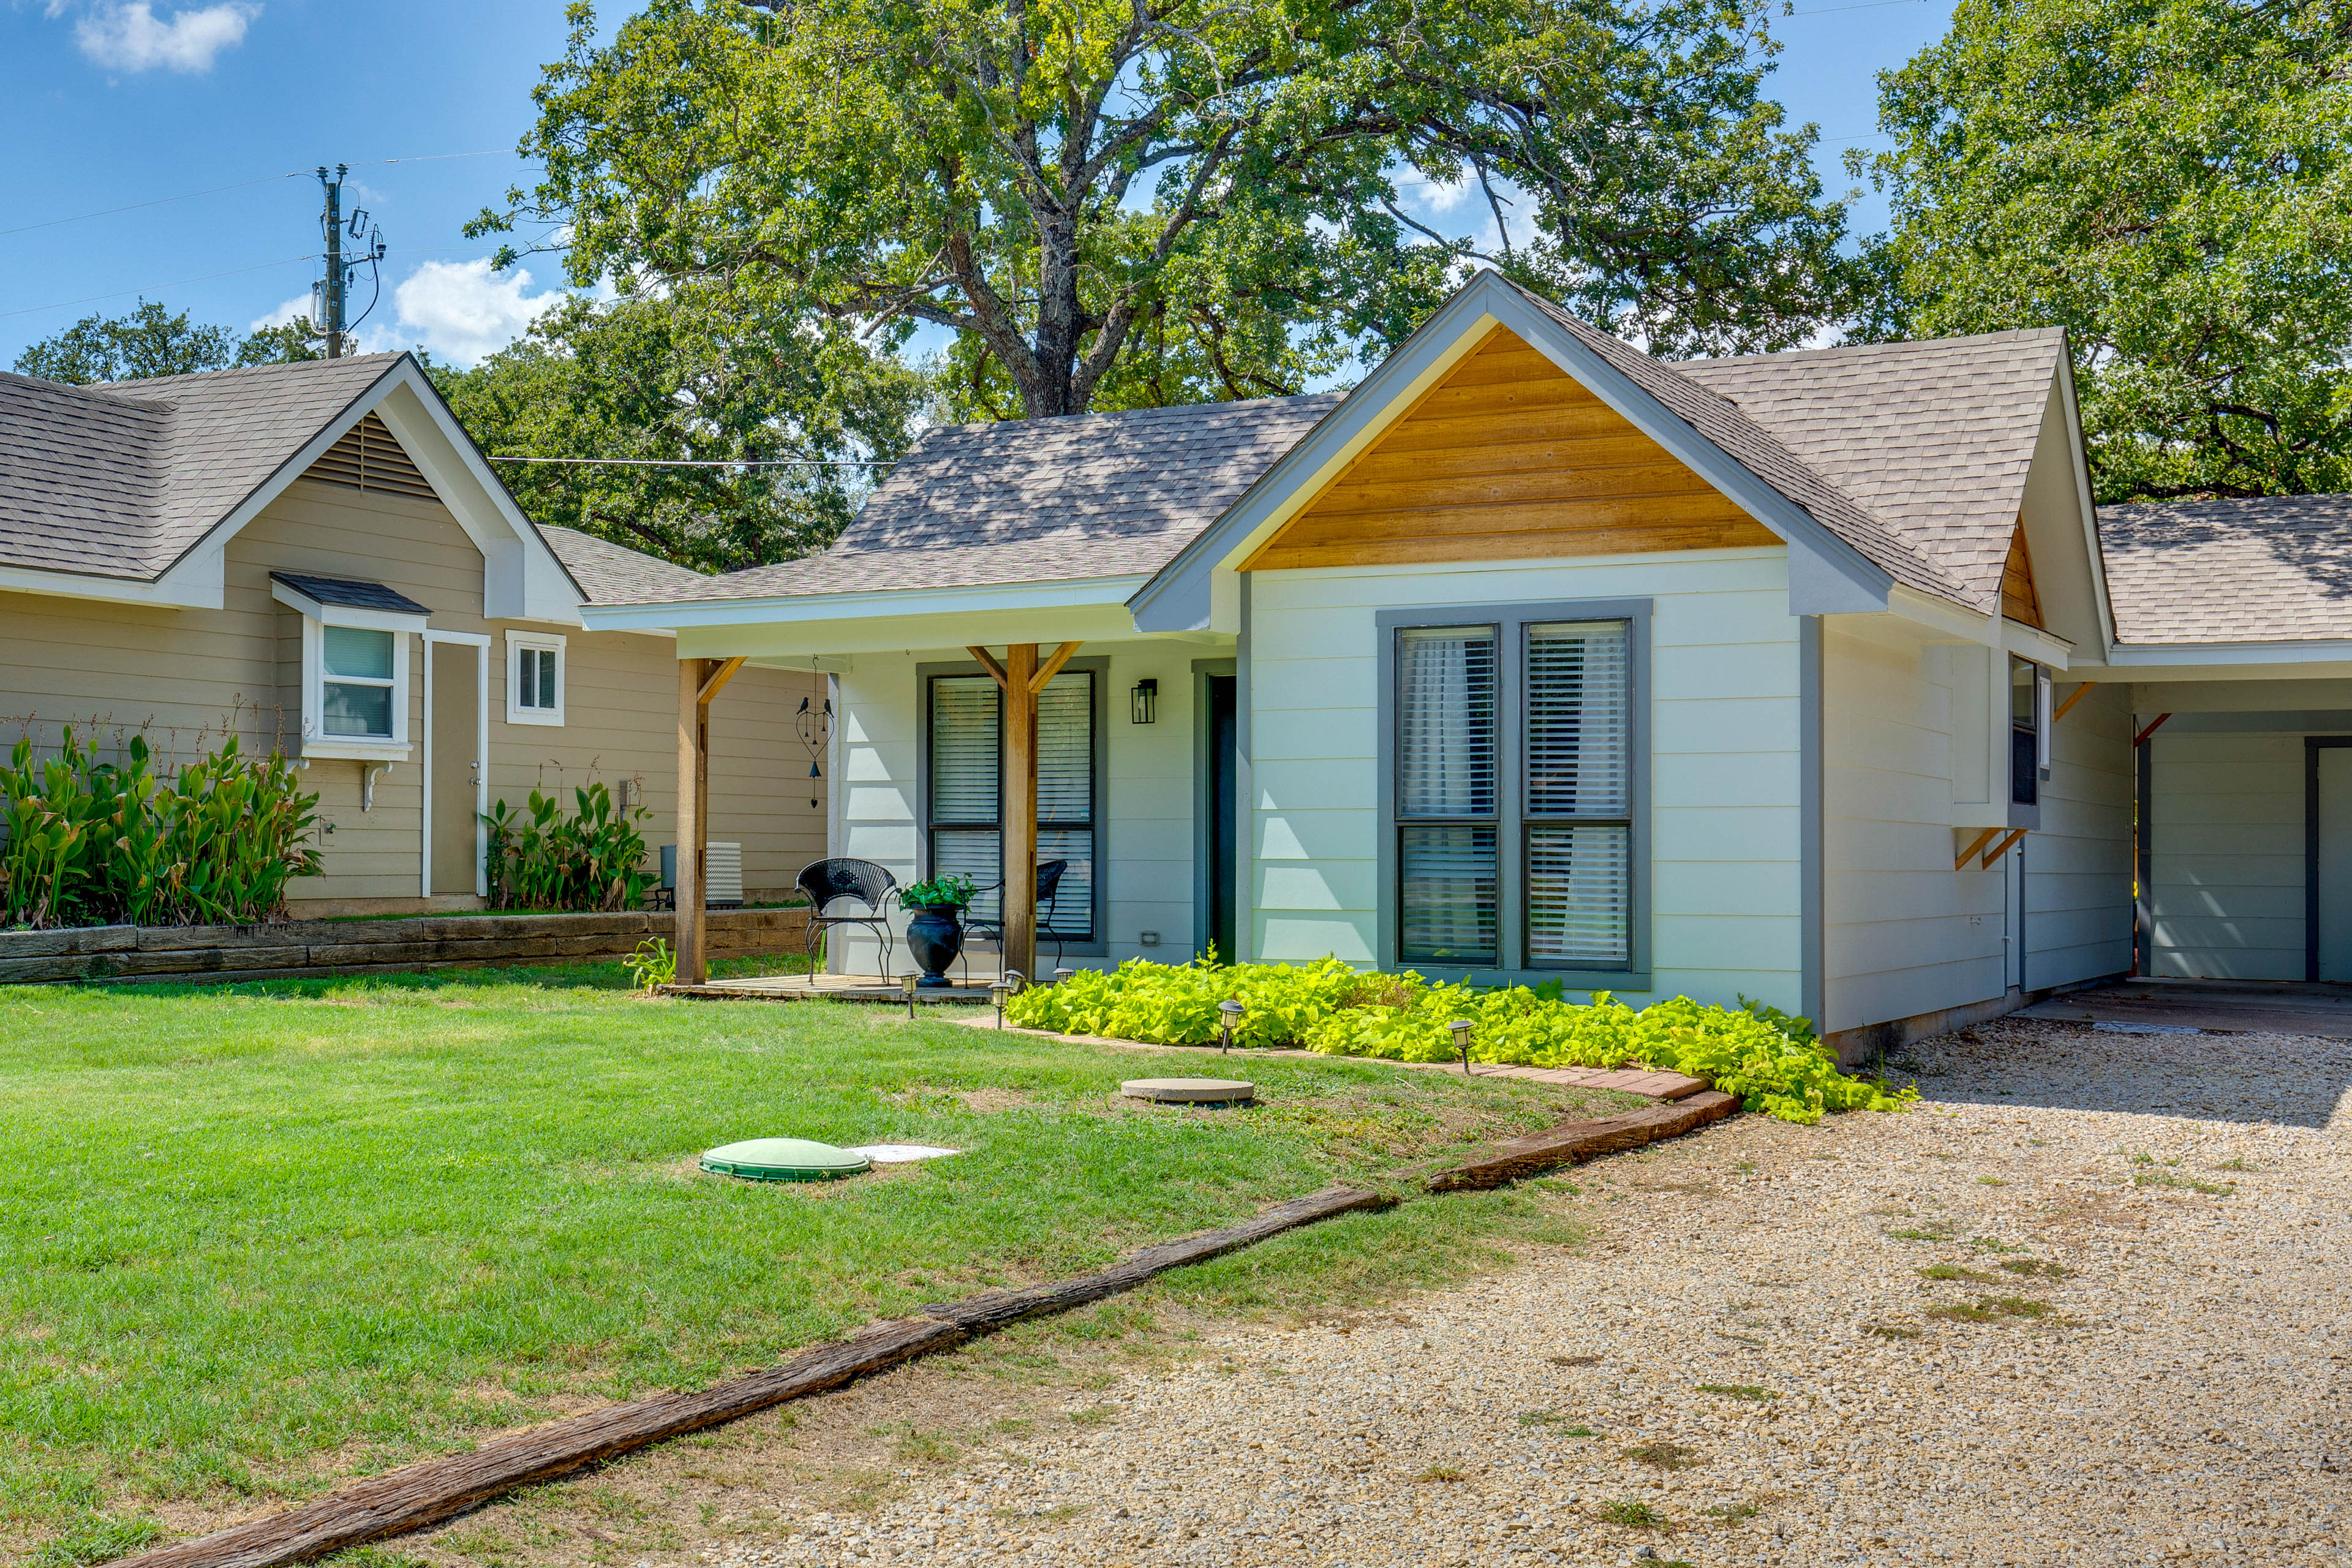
(1224, 757)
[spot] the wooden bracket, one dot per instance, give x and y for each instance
(2072, 698)
(718, 681)
(1053, 667)
(2001, 848)
(1979, 842)
(2153, 726)
(988, 662)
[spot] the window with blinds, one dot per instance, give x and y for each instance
(1513, 795)
(966, 789)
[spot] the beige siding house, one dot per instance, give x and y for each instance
(315, 556)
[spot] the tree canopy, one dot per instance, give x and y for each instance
(2168, 180)
(1126, 202)
(666, 380)
(151, 340)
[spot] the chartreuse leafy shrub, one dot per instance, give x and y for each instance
(542, 859)
(1771, 1061)
(90, 842)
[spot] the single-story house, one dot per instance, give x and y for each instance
(1812, 677)
(315, 556)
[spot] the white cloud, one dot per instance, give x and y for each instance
(462, 310)
(297, 306)
(127, 35)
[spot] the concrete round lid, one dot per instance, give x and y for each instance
(783, 1160)
(1190, 1090)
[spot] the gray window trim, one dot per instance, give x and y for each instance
(1511, 621)
(1205, 774)
(1099, 945)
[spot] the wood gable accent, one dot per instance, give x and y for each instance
(1507, 458)
(2018, 600)
(368, 458)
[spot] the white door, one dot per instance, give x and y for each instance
(456, 742)
(2332, 867)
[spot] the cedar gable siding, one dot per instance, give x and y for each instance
(1507, 458)
(2020, 601)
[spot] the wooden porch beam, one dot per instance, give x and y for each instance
(1979, 842)
(2001, 848)
(1053, 667)
(718, 681)
(988, 662)
(693, 825)
(2072, 698)
(1019, 835)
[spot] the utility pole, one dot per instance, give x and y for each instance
(333, 321)
(335, 293)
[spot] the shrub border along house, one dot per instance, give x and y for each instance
(1771, 1061)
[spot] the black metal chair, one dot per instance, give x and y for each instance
(1049, 889)
(823, 882)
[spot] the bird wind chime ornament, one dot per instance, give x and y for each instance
(814, 724)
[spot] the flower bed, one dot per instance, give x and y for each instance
(1771, 1060)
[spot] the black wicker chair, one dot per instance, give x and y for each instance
(1049, 889)
(824, 882)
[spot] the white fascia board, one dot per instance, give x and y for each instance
(1955, 623)
(798, 640)
(890, 603)
(2313, 661)
(345, 614)
(521, 578)
(2082, 465)
(1196, 590)
(1826, 574)
(198, 584)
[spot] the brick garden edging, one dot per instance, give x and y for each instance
(297, 950)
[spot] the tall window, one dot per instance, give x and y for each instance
(966, 793)
(1513, 750)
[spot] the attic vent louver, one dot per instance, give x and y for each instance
(368, 459)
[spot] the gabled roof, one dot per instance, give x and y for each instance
(1933, 439)
(1096, 495)
(609, 574)
(2271, 569)
(122, 478)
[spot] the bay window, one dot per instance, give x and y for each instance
(355, 659)
(1511, 791)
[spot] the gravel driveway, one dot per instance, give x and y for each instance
(2085, 1304)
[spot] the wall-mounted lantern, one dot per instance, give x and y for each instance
(1143, 702)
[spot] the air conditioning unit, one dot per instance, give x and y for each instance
(725, 863)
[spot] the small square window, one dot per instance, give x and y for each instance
(356, 698)
(534, 678)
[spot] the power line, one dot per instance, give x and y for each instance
(241, 184)
(158, 288)
(717, 462)
(1865, 6)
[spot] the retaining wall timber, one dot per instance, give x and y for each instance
(304, 949)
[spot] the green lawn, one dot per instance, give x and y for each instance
(260, 1239)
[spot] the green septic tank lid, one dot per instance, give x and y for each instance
(783, 1160)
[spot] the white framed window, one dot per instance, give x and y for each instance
(355, 665)
(536, 678)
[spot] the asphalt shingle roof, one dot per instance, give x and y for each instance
(607, 574)
(119, 479)
(1096, 495)
(1933, 439)
(2272, 569)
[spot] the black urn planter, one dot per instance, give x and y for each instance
(934, 936)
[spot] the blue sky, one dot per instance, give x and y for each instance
(117, 102)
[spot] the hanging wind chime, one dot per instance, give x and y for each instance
(814, 724)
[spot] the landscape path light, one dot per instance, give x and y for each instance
(1229, 1012)
(1462, 1027)
(907, 983)
(1000, 988)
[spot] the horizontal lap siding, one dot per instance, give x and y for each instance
(2078, 869)
(1905, 933)
(2225, 889)
(1724, 775)
(179, 672)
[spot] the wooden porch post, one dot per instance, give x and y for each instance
(698, 680)
(1020, 833)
